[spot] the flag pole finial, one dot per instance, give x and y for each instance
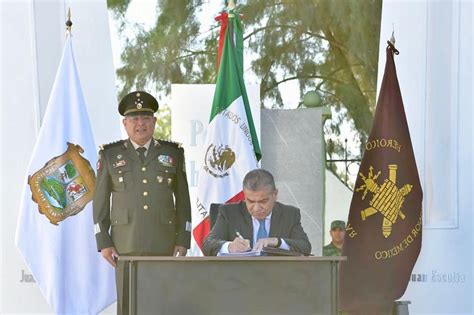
(392, 38)
(68, 22)
(391, 41)
(230, 7)
(230, 4)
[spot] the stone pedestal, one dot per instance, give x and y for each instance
(293, 150)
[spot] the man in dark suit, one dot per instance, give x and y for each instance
(259, 221)
(149, 212)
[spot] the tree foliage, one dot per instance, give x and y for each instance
(330, 46)
(163, 124)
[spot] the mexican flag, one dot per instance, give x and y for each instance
(231, 146)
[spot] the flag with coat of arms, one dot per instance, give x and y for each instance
(55, 227)
(384, 229)
(231, 147)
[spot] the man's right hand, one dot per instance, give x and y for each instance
(239, 245)
(110, 254)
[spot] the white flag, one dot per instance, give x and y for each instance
(71, 274)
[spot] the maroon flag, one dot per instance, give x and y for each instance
(383, 237)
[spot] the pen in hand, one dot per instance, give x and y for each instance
(244, 241)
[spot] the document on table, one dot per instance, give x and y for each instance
(250, 253)
(266, 251)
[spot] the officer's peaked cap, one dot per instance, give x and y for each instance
(138, 103)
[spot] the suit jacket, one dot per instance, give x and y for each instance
(285, 223)
(149, 212)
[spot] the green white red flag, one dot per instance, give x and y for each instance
(231, 146)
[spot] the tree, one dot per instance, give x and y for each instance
(163, 124)
(70, 170)
(330, 46)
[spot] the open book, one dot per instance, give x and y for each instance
(266, 251)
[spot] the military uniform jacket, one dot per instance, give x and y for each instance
(331, 250)
(142, 208)
(234, 217)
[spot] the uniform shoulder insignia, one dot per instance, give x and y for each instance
(173, 143)
(111, 145)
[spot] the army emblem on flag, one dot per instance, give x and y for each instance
(64, 185)
(387, 199)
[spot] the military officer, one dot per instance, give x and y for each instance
(141, 200)
(338, 230)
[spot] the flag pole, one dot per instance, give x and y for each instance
(68, 22)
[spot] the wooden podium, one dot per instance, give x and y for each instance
(230, 285)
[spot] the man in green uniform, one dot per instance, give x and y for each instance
(141, 200)
(338, 230)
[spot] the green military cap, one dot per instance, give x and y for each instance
(138, 103)
(338, 224)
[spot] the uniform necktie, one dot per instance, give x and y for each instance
(141, 153)
(262, 231)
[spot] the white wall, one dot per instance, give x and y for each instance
(337, 203)
(31, 42)
(435, 74)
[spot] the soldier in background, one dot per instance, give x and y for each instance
(338, 230)
(145, 180)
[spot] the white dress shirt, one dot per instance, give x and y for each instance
(146, 145)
